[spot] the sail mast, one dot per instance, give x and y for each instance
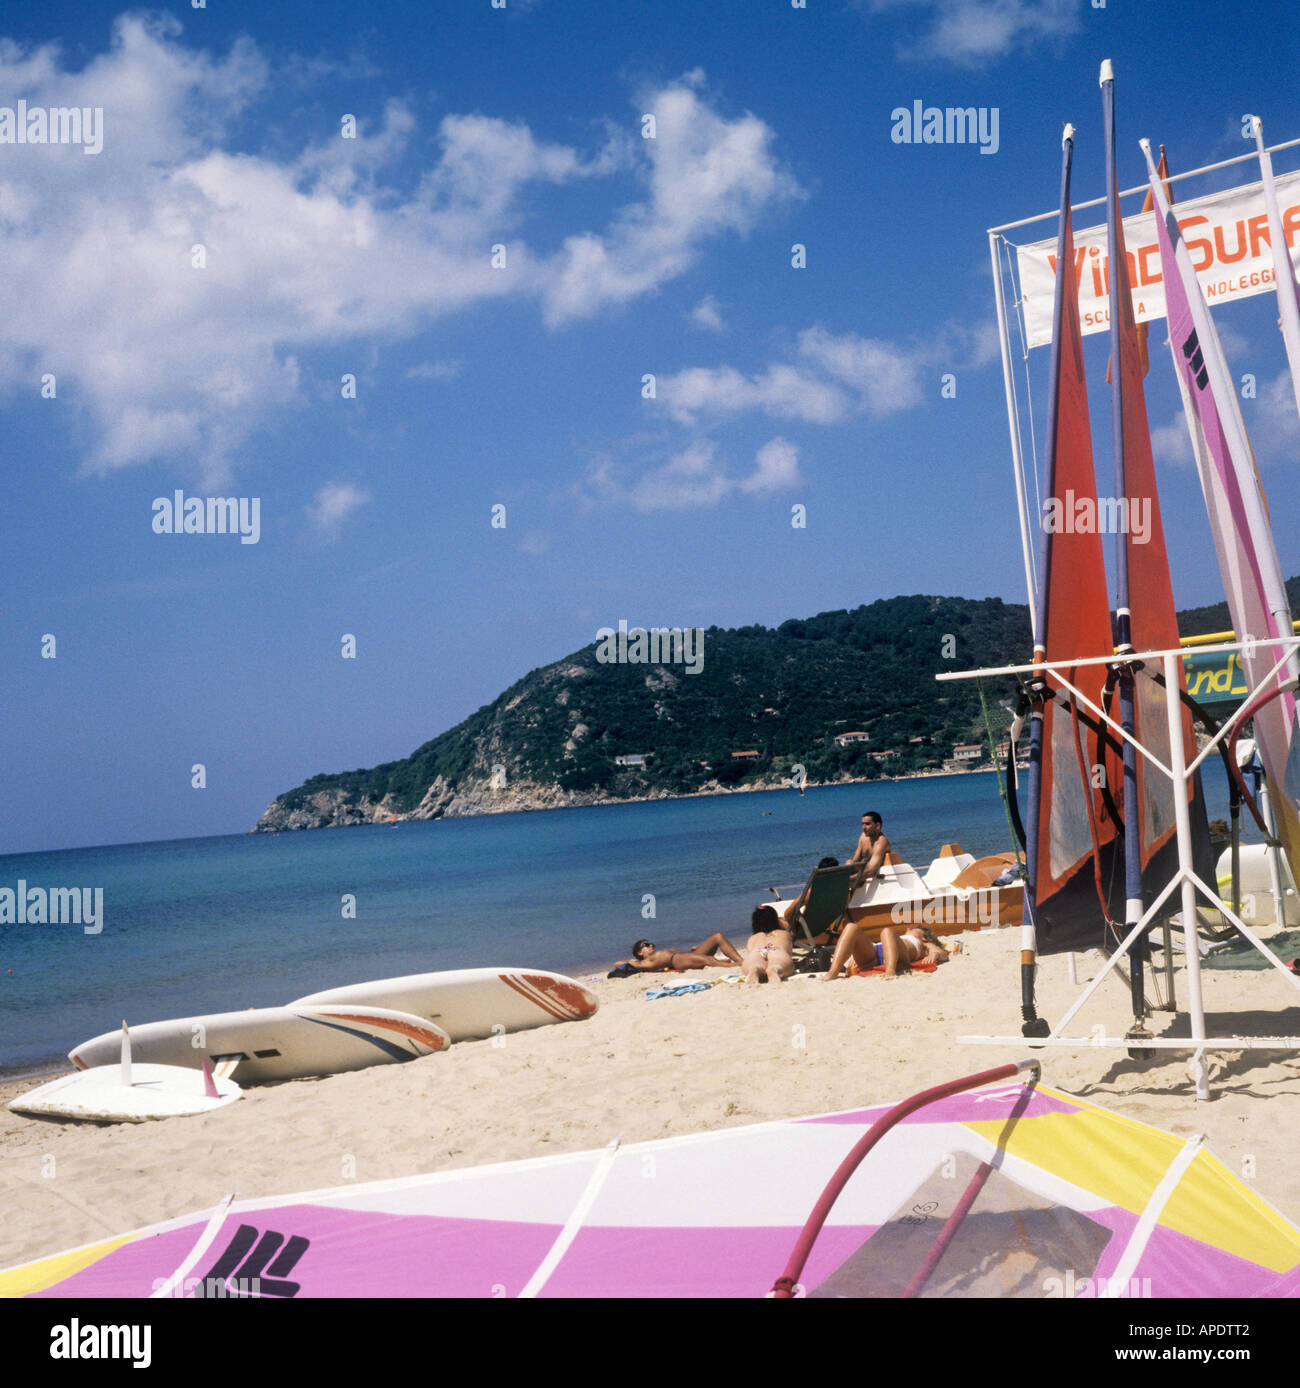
(1119, 289)
(1072, 621)
(1288, 296)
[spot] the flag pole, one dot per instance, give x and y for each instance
(1288, 296)
(1032, 1024)
(1118, 283)
(1017, 458)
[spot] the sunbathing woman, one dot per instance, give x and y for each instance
(647, 959)
(769, 951)
(896, 950)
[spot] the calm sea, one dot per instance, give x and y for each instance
(210, 925)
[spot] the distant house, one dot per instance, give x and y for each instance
(843, 739)
(744, 756)
(968, 753)
(885, 756)
(633, 759)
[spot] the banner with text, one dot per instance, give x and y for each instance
(1226, 233)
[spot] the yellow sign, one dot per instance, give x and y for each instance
(1216, 678)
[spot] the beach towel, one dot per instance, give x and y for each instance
(920, 967)
(677, 991)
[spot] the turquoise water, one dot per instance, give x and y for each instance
(209, 925)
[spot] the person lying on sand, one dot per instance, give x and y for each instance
(647, 959)
(896, 950)
(770, 948)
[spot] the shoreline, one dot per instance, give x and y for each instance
(723, 1057)
(781, 785)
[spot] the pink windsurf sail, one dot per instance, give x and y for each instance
(1234, 498)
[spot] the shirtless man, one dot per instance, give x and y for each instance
(770, 950)
(647, 959)
(872, 845)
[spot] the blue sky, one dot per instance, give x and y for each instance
(521, 386)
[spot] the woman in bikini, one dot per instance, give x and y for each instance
(770, 948)
(647, 959)
(896, 950)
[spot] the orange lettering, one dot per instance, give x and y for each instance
(1240, 252)
(1197, 246)
(1258, 233)
(1145, 273)
(1290, 223)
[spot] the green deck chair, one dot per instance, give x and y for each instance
(826, 898)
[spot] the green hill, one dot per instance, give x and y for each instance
(780, 696)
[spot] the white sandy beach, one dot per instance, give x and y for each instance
(649, 1069)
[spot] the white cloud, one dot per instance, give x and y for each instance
(1274, 423)
(692, 479)
(707, 314)
(884, 376)
(1234, 345)
(1170, 443)
(781, 390)
(185, 364)
(334, 503)
(707, 176)
(970, 33)
(835, 377)
(776, 469)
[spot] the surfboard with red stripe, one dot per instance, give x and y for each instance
(276, 1043)
(469, 1004)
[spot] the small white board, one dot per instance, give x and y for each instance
(276, 1043)
(155, 1091)
(469, 1004)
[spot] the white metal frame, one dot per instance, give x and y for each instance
(996, 240)
(1180, 773)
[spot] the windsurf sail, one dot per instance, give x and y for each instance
(1011, 1190)
(1145, 617)
(1066, 812)
(1234, 498)
(1288, 295)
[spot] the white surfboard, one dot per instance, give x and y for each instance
(153, 1091)
(276, 1043)
(469, 1004)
